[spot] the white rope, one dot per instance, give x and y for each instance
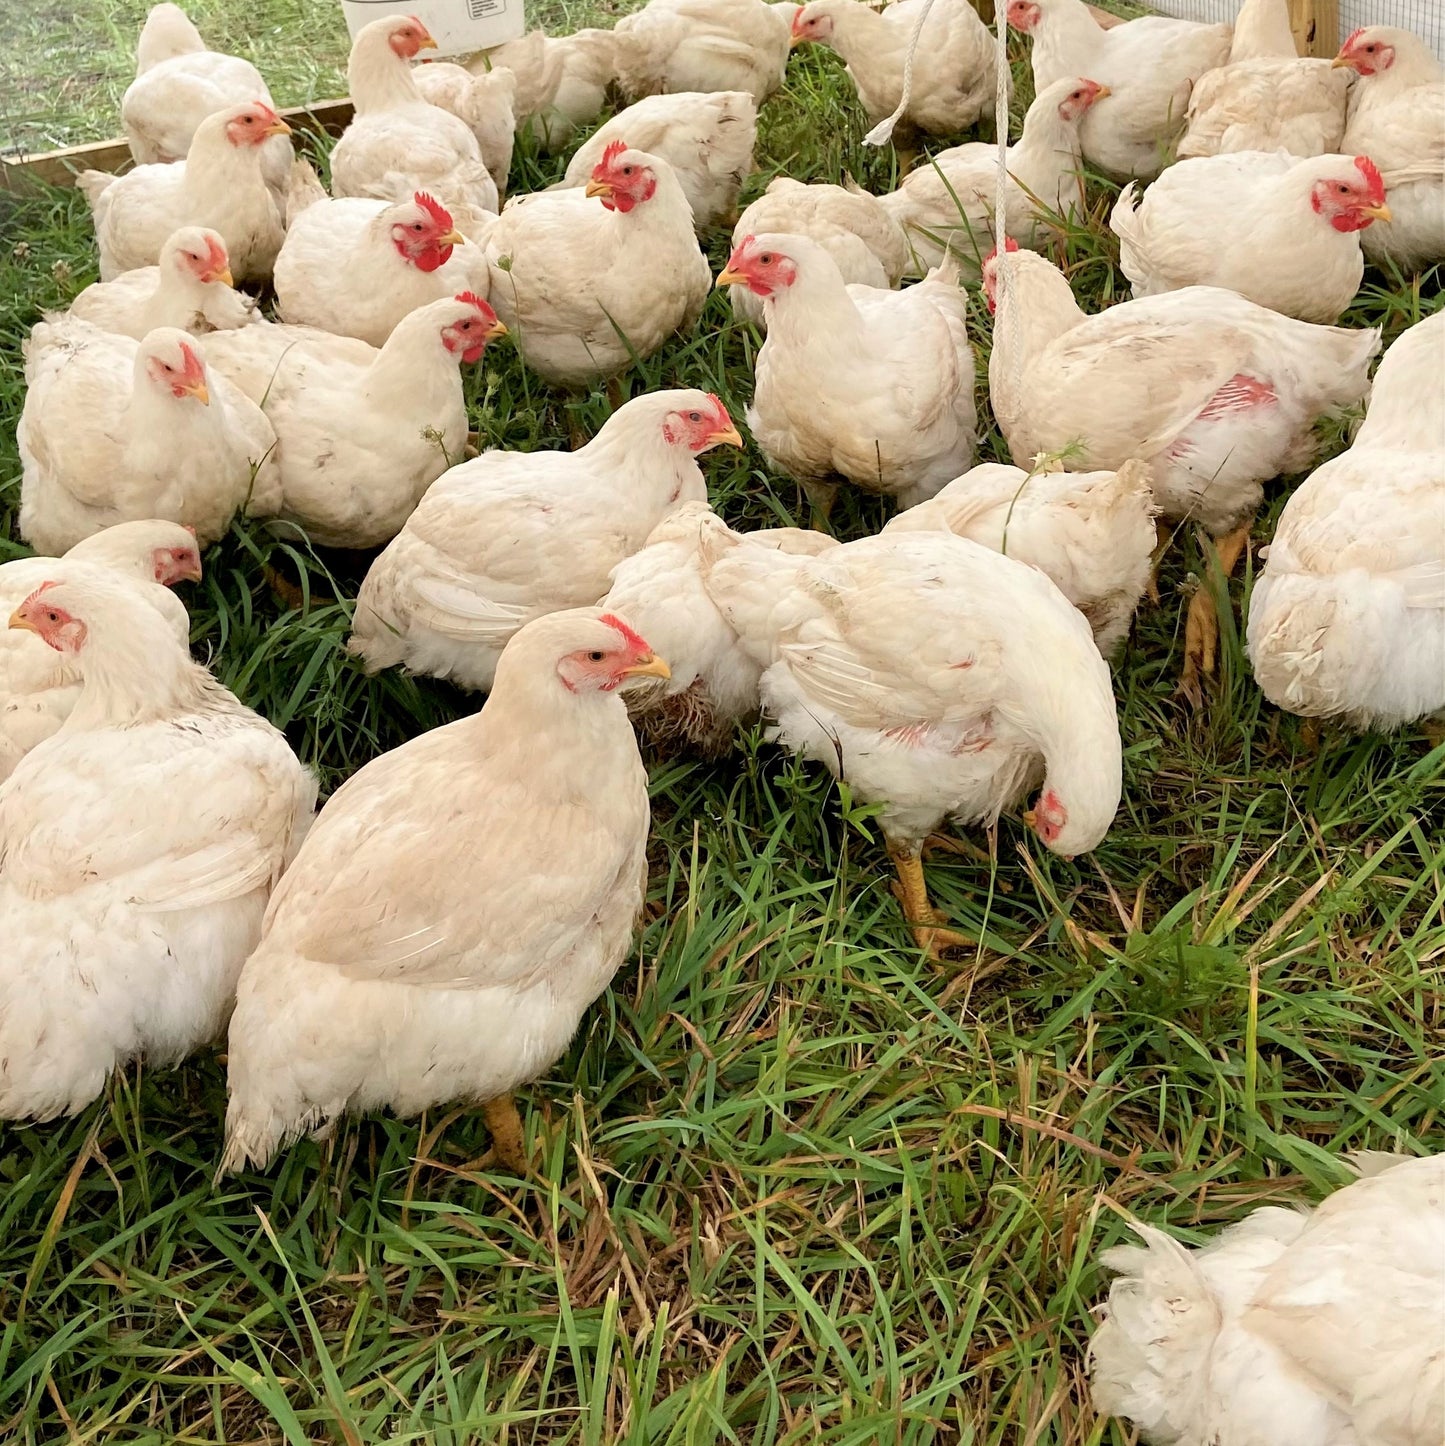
(883, 131)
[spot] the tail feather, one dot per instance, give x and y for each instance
(93, 185)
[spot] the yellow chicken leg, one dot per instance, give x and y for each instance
(1201, 629)
(509, 1147)
(911, 891)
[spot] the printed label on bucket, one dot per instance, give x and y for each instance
(485, 9)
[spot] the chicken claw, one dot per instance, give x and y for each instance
(1201, 631)
(911, 891)
(509, 1147)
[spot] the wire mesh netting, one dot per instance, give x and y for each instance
(1425, 17)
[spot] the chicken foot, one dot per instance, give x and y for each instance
(509, 1147)
(1201, 629)
(924, 920)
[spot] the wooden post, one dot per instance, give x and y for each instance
(1316, 26)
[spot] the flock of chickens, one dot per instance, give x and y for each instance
(161, 871)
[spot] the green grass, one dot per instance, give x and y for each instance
(794, 1184)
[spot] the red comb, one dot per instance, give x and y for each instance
(1350, 39)
(1009, 244)
(44, 587)
(194, 365)
(634, 640)
(1373, 179)
(470, 298)
(614, 149)
(722, 411)
(216, 253)
(189, 528)
(434, 209)
(265, 110)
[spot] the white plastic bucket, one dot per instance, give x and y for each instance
(459, 27)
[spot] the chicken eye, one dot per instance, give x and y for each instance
(765, 259)
(417, 226)
(694, 416)
(627, 170)
(596, 656)
(54, 617)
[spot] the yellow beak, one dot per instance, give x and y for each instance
(223, 276)
(654, 667)
(1380, 212)
(796, 40)
(192, 573)
(426, 42)
(278, 128)
(495, 330)
(728, 438)
(728, 277)
(451, 238)
(1342, 61)
(16, 621)
(599, 188)
(200, 392)
(1030, 818)
(1102, 92)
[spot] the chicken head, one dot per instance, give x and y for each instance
(472, 328)
(601, 652)
(170, 360)
(1366, 51)
(49, 620)
(254, 124)
(622, 178)
(812, 23)
(701, 428)
(763, 269)
(1023, 15)
(178, 562)
(199, 252)
(990, 273)
(1076, 104)
(1350, 203)
(408, 36)
(422, 232)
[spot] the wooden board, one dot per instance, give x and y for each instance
(1316, 26)
(60, 168)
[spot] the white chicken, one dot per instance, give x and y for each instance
(853, 226)
(189, 288)
(398, 143)
(940, 678)
(397, 969)
(677, 45)
(1291, 1328)
(1396, 116)
(1092, 533)
(1347, 619)
(954, 67)
(1214, 392)
(38, 686)
(356, 267)
(1281, 231)
(947, 203)
(509, 536)
(874, 387)
(562, 81)
(220, 185)
(138, 846)
(714, 679)
(706, 137)
(1149, 66)
(589, 280)
(1267, 98)
(483, 100)
(361, 433)
(178, 83)
(115, 430)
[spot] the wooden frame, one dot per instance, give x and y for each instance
(60, 168)
(1316, 26)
